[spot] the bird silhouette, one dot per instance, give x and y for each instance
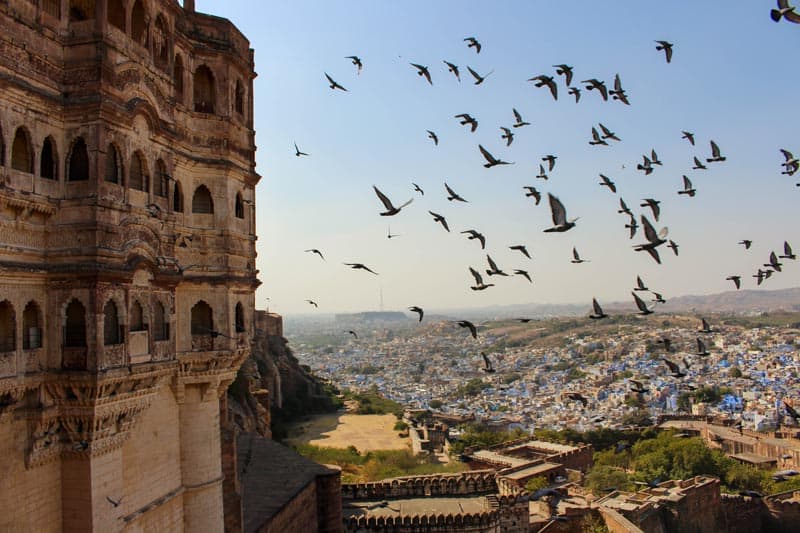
(493, 269)
(782, 11)
(654, 239)
(576, 258)
(596, 140)
(357, 62)
(491, 160)
(791, 411)
(523, 273)
(518, 122)
(773, 262)
(646, 166)
(115, 503)
(559, 215)
(439, 218)
(487, 364)
(737, 280)
(667, 48)
(578, 397)
(360, 266)
(607, 133)
(566, 71)
(689, 136)
(353, 333)
(390, 235)
(674, 368)
(715, 154)
(473, 43)
(418, 310)
(594, 83)
(391, 210)
(467, 119)
(312, 302)
(705, 327)
(701, 348)
(643, 310)
(618, 93)
(623, 208)
(475, 235)
(687, 187)
(432, 136)
(674, 246)
(606, 182)
(597, 311)
(532, 192)
(638, 387)
(542, 174)
(297, 151)
(640, 286)
(658, 298)
(418, 189)
(747, 243)
(791, 164)
(522, 249)
(698, 165)
(507, 135)
(451, 67)
(453, 195)
(654, 160)
(315, 251)
(470, 326)
(551, 161)
(333, 84)
(422, 71)
(479, 284)
(787, 252)
(667, 343)
(478, 78)
(632, 226)
(576, 93)
(653, 205)
(543, 80)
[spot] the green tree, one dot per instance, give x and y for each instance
(435, 404)
(734, 372)
(603, 478)
(536, 483)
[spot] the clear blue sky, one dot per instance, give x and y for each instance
(733, 78)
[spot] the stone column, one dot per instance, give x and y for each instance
(87, 484)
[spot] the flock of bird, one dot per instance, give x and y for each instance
(601, 136)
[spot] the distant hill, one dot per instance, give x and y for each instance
(372, 316)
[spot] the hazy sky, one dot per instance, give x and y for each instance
(733, 78)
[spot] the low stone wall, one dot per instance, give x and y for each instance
(475, 482)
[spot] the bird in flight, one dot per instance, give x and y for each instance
(353, 333)
(576, 258)
(791, 164)
(608, 183)
(334, 85)
(507, 135)
(473, 43)
(523, 273)
(737, 280)
(439, 218)
(667, 48)
(422, 71)
(559, 215)
(491, 160)
(454, 69)
(658, 298)
(643, 310)
(113, 502)
(312, 302)
(608, 134)
(432, 136)
(478, 78)
(747, 243)
(646, 166)
(518, 122)
(705, 327)
(688, 136)
(787, 252)
(479, 284)
(698, 165)
(640, 286)
(542, 174)
(522, 249)
(654, 239)
(653, 205)
(597, 311)
(688, 190)
(315, 251)
(596, 140)
(566, 71)
(532, 192)
(476, 235)
(493, 269)
(618, 93)
(575, 92)
(453, 195)
(470, 326)
(623, 208)
(594, 83)
(674, 246)
(551, 161)
(674, 368)
(418, 310)
(418, 189)
(781, 12)
(487, 364)
(467, 119)
(773, 262)
(654, 158)
(578, 397)
(715, 154)
(357, 62)
(360, 266)
(297, 151)
(542, 80)
(701, 348)
(391, 210)
(632, 226)
(390, 235)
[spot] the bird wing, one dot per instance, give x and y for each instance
(474, 74)
(330, 79)
(385, 199)
(672, 366)
(518, 118)
(489, 157)
(557, 210)
(714, 149)
(617, 83)
(649, 231)
(640, 303)
(450, 191)
(477, 276)
(575, 254)
(687, 184)
(492, 264)
(787, 250)
(596, 306)
(553, 87)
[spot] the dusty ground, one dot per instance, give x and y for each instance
(340, 430)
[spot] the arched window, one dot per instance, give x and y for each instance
(137, 317)
(160, 323)
(202, 319)
(160, 183)
(31, 327)
(81, 10)
(238, 207)
(238, 98)
(110, 324)
(52, 8)
(177, 197)
(138, 24)
(8, 327)
(21, 153)
(161, 43)
(201, 201)
(48, 166)
(138, 178)
(75, 328)
(177, 77)
(204, 90)
(78, 168)
(239, 319)
(113, 165)
(116, 14)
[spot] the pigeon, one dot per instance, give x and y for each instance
(418, 189)
(334, 85)
(353, 333)
(576, 258)
(312, 302)
(618, 93)
(453, 195)
(791, 163)
(653, 205)
(787, 252)
(523, 273)
(475, 235)
(297, 151)
(551, 161)
(674, 246)
(638, 386)
(478, 78)
(674, 368)
(715, 154)
(705, 327)
(576, 396)
(747, 243)
(315, 251)
(597, 311)
(479, 284)
(418, 310)
(542, 174)
(432, 136)
(632, 226)
(654, 160)
(360, 266)
(655, 239)
(608, 183)
(357, 62)
(470, 326)
(559, 214)
(640, 286)
(422, 71)
(507, 135)
(532, 192)
(737, 280)
(594, 83)
(701, 348)
(522, 249)
(467, 119)
(698, 165)
(596, 140)
(518, 122)
(115, 503)
(646, 166)
(773, 262)
(391, 210)
(623, 208)
(667, 47)
(689, 136)
(761, 276)
(454, 69)
(688, 190)
(493, 269)
(487, 364)
(439, 218)
(608, 134)
(641, 305)
(543, 80)
(491, 160)
(566, 71)
(473, 43)
(575, 92)
(791, 411)
(781, 12)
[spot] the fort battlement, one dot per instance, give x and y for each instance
(473, 482)
(450, 522)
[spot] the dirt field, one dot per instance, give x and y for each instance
(340, 430)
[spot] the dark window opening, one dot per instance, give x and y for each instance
(239, 321)
(160, 183)
(204, 90)
(31, 327)
(116, 14)
(113, 173)
(239, 98)
(138, 178)
(137, 317)
(161, 43)
(177, 198)
(111, 332)
(75, 328)
(78, 161)
(48, 161)
(177, 77)
(202, 319)
(8, 327)
(21, 153)
(239, 206)
(160, 323)
(202, 202)
(138, 24)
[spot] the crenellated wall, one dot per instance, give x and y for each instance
(474, 482)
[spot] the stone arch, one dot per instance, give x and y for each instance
(239, 322)
(111, 323)
(177, 77)
(48, 160)
(32, 326)
(8, 327)
(204, 90)
(238, 98)
(238, 207)
(137, 320)
(161, 38)
(139, 23)
(115, 14)
(78, 162)
(75, 324)
(177, 197)
(161, 179)
(114, 167)
(202, 319)
(138, 177)
(160, 325)
(21, 151)
(80, 10)
(202, 202)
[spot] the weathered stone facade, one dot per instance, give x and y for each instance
(127, 260)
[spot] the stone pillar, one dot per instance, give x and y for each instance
(329, 500)
(87, 484)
